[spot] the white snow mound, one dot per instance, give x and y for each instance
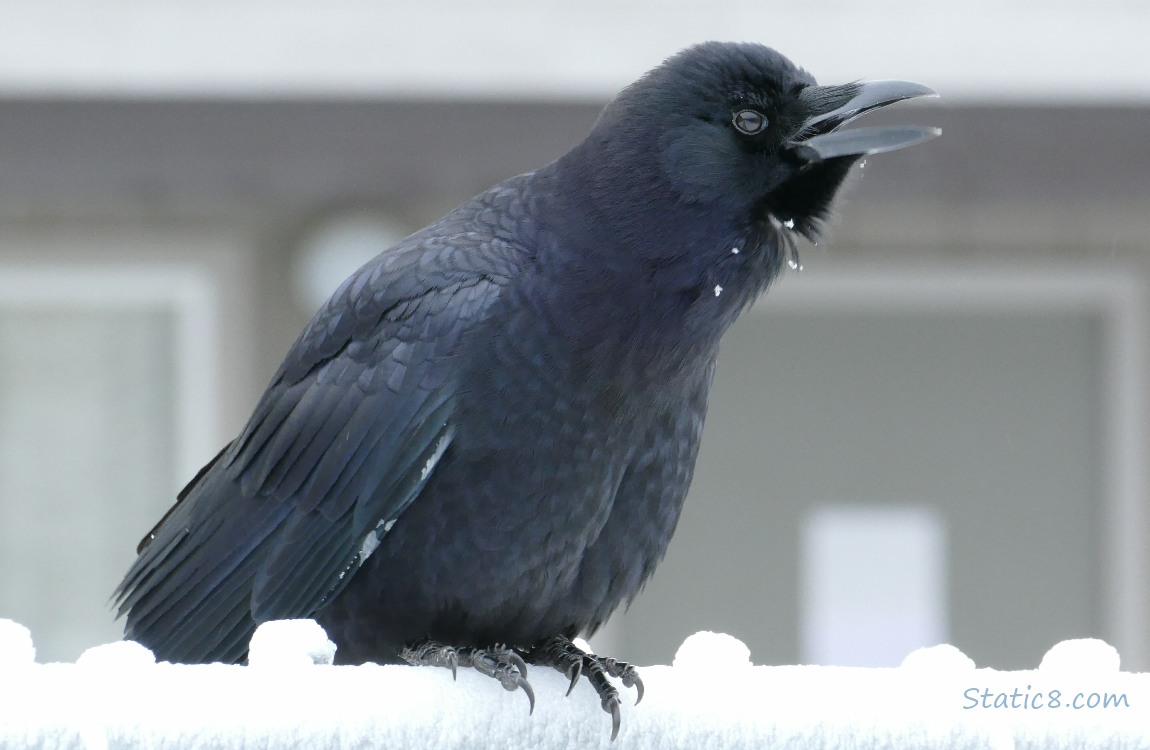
(16, 648)
(290, 643)
(1081, 655)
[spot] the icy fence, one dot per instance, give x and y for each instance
(116, 696)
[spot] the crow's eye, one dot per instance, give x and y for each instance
(749, 121)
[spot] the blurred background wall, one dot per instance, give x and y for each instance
(936, 431)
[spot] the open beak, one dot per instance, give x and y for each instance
(834, 106)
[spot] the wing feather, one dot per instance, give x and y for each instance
(343, 440)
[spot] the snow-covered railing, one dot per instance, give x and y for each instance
(116, 696)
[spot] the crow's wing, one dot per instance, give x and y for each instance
(340, 444)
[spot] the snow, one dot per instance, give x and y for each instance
(1082, 656)
(118, 656)
(707, 651)
(939, 659)
(292, 697)
(289, 643)
(16, 647)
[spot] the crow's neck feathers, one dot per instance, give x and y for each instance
(663, 189)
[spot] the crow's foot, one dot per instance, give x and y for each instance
(560, 653)
(500, 662)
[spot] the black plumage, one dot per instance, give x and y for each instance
(486, 435)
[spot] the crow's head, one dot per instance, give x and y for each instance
(739, 128)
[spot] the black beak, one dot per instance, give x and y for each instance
(834, 106)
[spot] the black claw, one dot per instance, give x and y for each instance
(611, 706)
(575, 674)
(499, 662)
(561, 654)
(625, 672)
(630, 677)
(525, 686)
(431, 654)
(517, 660)
(636, 683)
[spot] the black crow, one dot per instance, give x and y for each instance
(480, 445)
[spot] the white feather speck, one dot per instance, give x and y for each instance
(718, 290)
(370, 542)
(433, 459)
